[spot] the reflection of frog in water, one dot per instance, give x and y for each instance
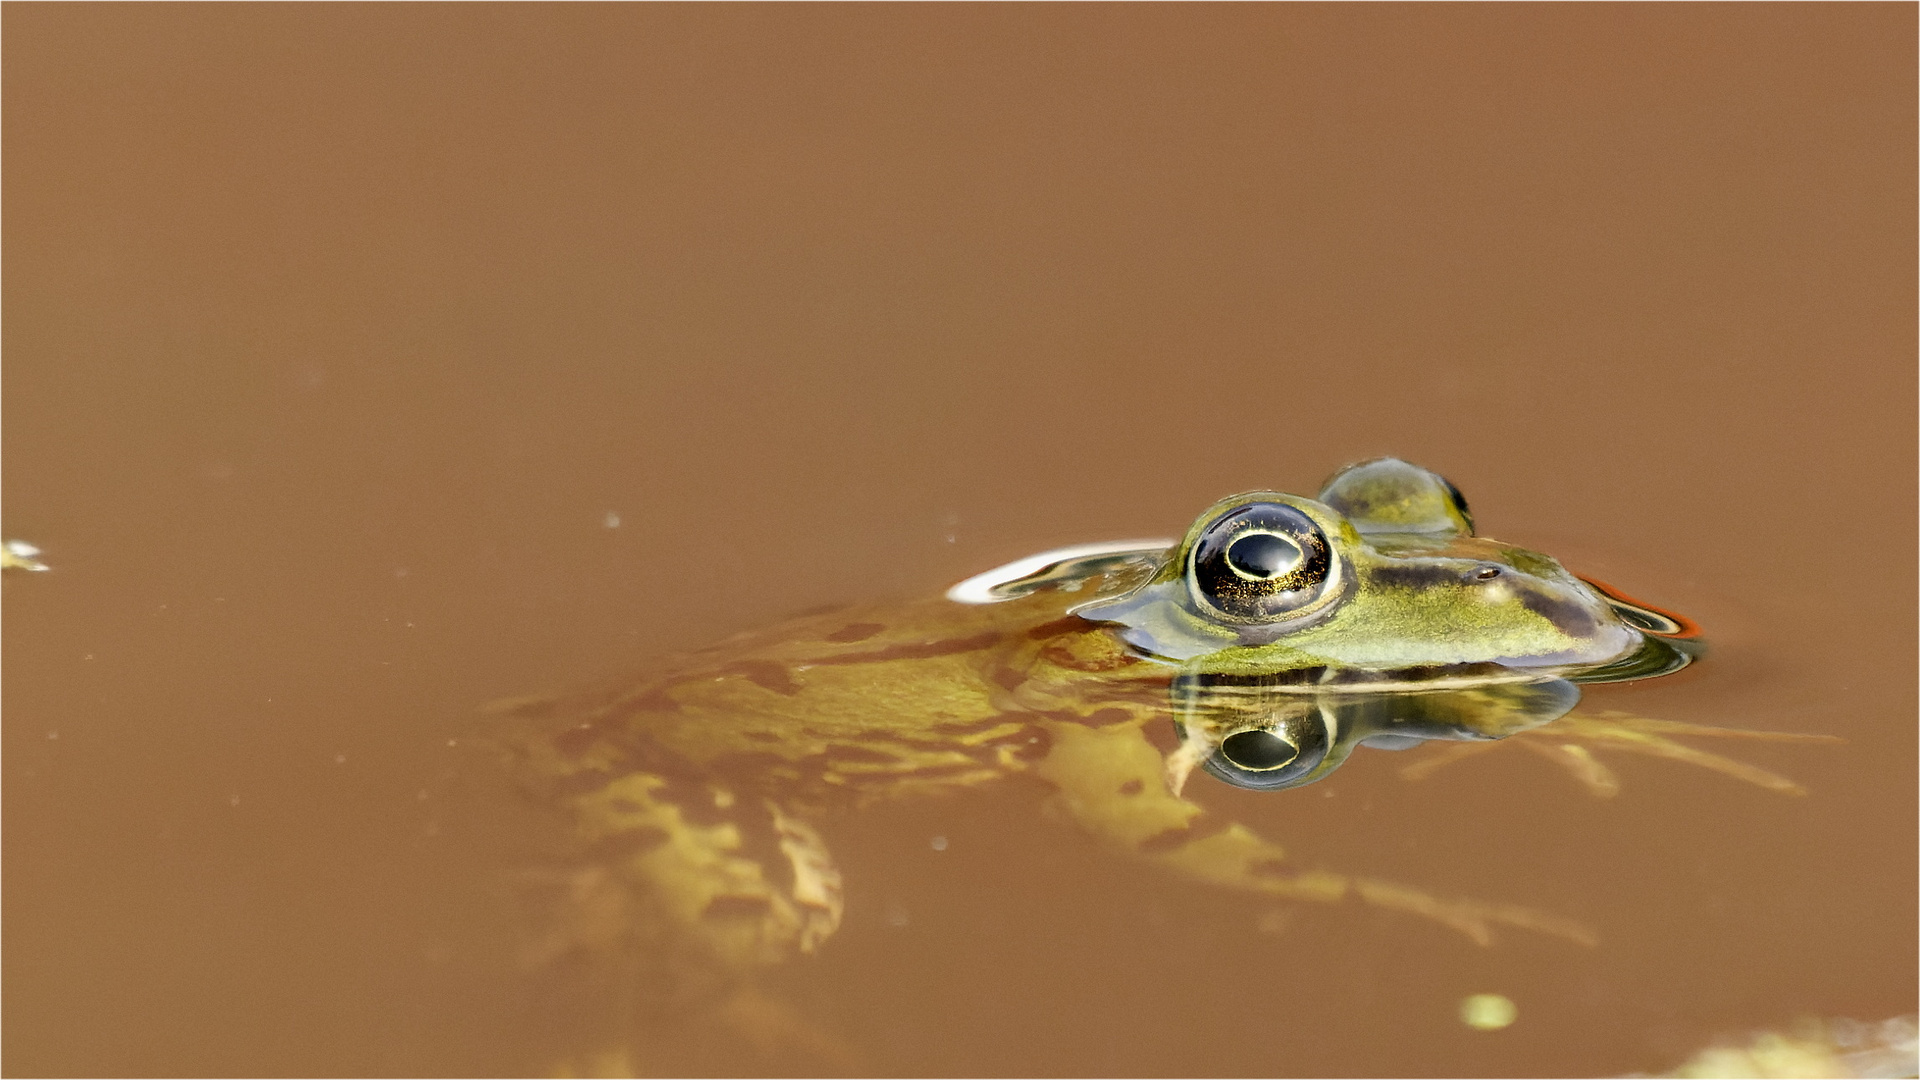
(1277, 636)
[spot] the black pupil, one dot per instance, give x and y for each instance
(1258, 750)
(1263, 555)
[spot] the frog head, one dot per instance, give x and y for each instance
(1378, 583)
(1371, 615)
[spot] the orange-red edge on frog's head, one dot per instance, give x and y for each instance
(1685, 629)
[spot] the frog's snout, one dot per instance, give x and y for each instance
(1588, 623)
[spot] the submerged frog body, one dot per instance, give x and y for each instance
(1261, 649)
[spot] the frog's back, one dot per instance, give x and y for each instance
(839, 705)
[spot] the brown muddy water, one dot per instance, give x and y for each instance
(367, 364)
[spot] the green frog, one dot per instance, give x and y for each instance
(1262, 649)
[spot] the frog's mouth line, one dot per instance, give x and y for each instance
(1657, 655)
(1654, 657)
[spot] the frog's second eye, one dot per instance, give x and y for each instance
(1261, 562)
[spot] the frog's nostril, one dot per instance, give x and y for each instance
(1486, 573)
(1258, 750)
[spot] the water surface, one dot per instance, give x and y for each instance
(364, 365)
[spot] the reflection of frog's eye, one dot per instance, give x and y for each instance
(1258, 750)
(1271, 757)
(1261, 562)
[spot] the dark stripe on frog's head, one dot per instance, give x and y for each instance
(1566, 614)
(1410, 574)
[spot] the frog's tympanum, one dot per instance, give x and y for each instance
(1279, 635)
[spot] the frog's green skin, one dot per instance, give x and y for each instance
(698, 795)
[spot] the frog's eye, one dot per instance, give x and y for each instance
(1261, 562)
(1266, 758)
